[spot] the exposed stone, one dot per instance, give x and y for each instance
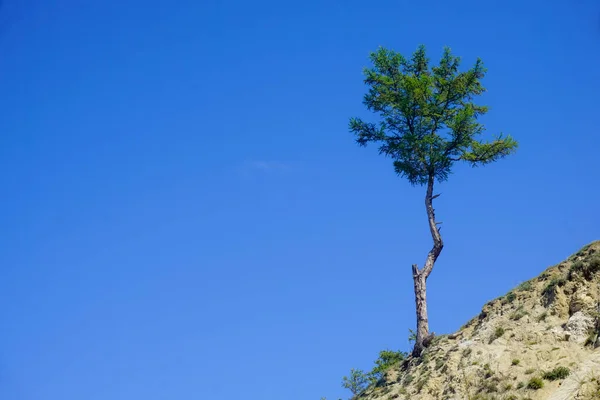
(578, 327)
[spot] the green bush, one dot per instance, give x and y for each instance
(525, 286)
(556, 374)
(587, 270)
(535, 383)
(552, 285)
(516, 361)
(497, 333)
(510, 297)
(387, 359)
(518, 314)
(357, 382)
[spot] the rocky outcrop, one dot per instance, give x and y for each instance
(536, 342)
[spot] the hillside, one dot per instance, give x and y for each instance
(539, 341)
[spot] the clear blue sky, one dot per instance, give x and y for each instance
(184, 214)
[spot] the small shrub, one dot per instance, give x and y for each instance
(387, 359)
(497, 333)
(591, 338)
(511, 397)
(516, 361)
(542, 317)
(357, 382)
(517, 315)
(510, 297)
(529, 371)
(520, 385)
(489, 387)
(535, 383)
(421, 383)
(556, 374)
(487, 371)
(507, 387)
(525, 287)
(576, 267)
(439, 363)
(552, 285)
(587, 270)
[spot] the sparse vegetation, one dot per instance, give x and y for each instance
(587, 270)
(497, 333)
(518, 314)
(510, 297)
(422, 382)
(439, 363)
(486, 376)
(525, 287)
(556, 374)
(356, 382)
(387, 359)
(552, 285)
(535, 383)
(593, 390)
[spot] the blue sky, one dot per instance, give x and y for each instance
(185, 214)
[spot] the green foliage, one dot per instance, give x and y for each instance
(487, 371)
(510, 297)
(520, 385)
(552, 285)
(518, 314)
(497, 333)
(556, 374)
(428, 120)
(515, 361)
(525, 287)
(386, 360)
(439, 363)
(587, 270)
(356, 382)
(529, 371)
(535, 383)
(412, 336)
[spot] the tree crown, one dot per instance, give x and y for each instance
(428, 116)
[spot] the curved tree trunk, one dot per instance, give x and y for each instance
(420, 276)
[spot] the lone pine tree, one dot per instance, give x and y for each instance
(428, 122)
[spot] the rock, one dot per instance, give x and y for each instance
(581, 301)
(578, 327)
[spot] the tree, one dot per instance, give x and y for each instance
(428, 123)
(357, 382)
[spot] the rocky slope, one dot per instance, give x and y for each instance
(539, 341)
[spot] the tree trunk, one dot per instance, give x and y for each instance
(420, 276)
